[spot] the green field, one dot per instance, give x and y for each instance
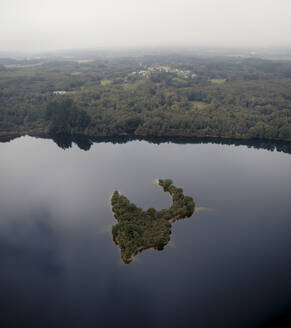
(217, 81)
(104, 83)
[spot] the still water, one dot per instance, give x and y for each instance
(229, 265)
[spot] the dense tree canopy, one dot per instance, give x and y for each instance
(64, 117)
(148, 96)
(137, 230)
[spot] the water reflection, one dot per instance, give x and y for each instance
(85, 142)
(59, 269)
(65, 141)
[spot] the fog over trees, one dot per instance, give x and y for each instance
(35, 25)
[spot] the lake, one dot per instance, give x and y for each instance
(226, 266)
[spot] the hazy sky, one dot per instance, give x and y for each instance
(66, 24)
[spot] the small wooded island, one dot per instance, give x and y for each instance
(137, 230)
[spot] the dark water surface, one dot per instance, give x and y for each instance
(229, 265)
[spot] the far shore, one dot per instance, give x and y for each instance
(6, 135)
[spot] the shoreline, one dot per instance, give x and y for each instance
(6, 136)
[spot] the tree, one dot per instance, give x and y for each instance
(65, 118)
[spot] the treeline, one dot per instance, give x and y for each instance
(229, 98)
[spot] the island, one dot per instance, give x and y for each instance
(138, 230)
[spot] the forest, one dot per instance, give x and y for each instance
(147, 96)
(138, 230)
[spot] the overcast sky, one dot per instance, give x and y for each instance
(66, 24)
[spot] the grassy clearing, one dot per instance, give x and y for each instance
(105, 82)
(84, 61)
(178, 79)
(133, 85)
(198, 104)
(17, 74)
(217, 81)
